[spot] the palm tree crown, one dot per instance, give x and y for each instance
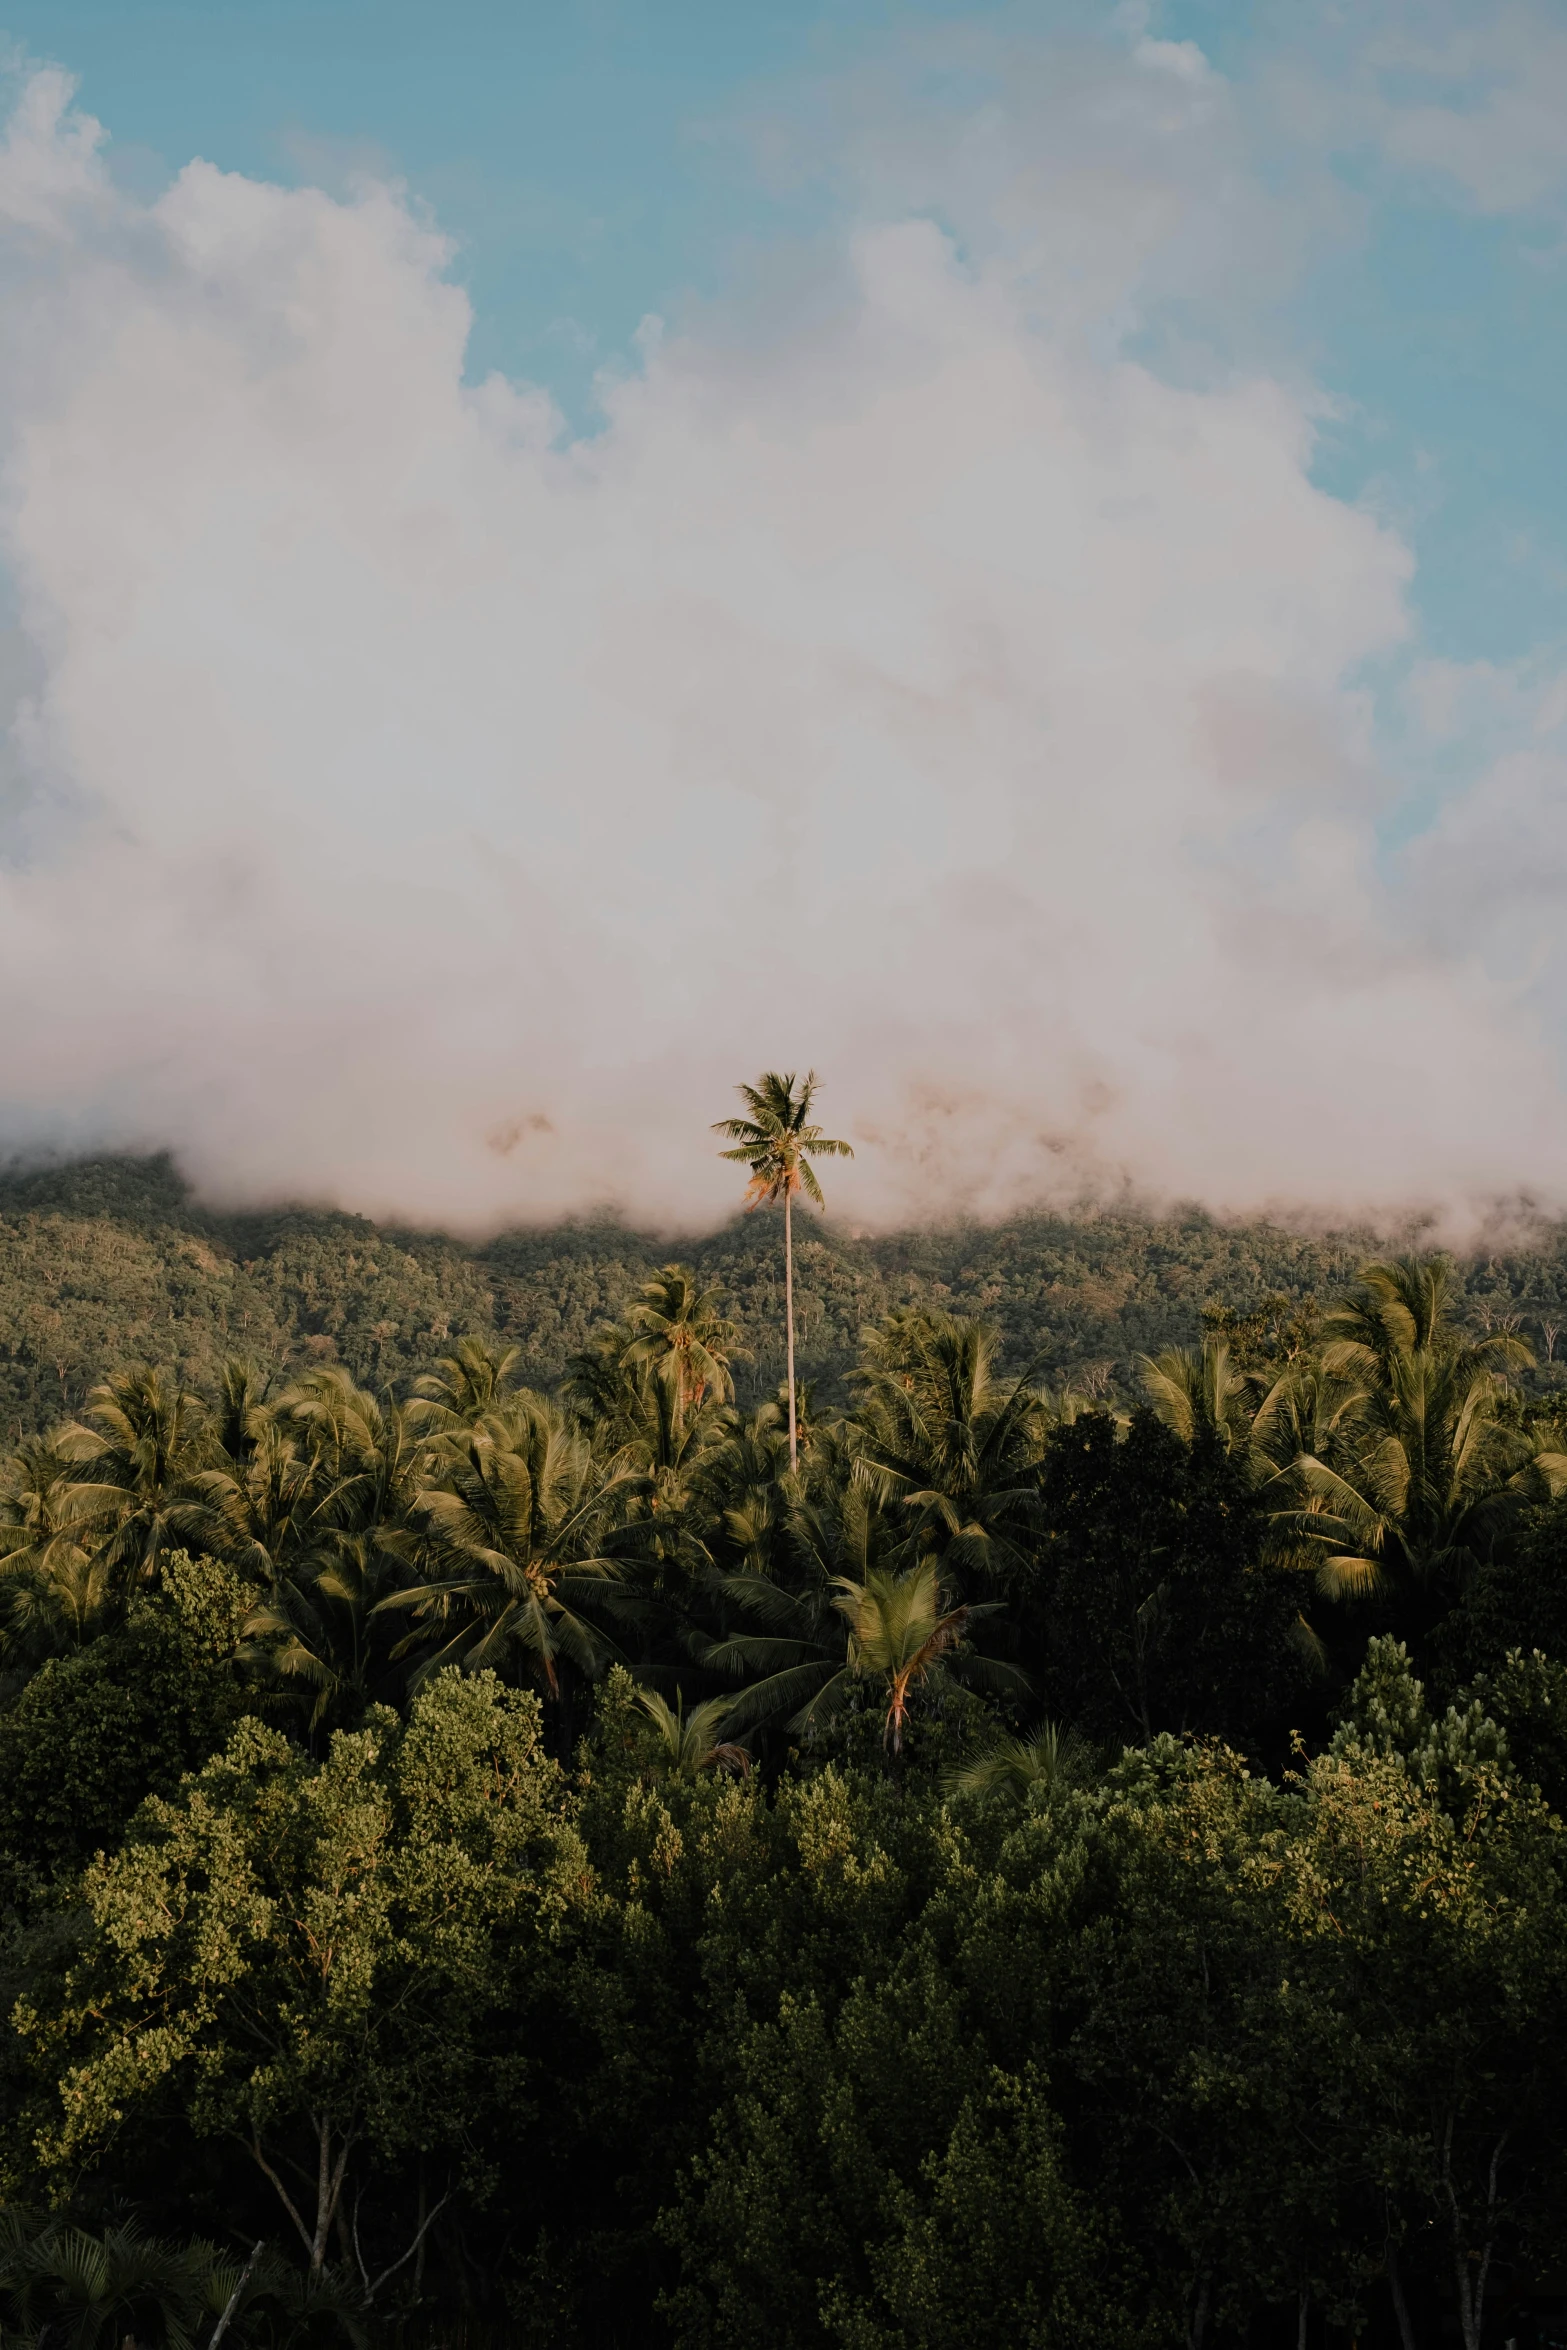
(1431, 1471)
(778, 1142)
(960, 1445)
(680, 1331)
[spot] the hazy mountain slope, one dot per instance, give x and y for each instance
(104, 1260)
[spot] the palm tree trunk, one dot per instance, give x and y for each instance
(794, 1438)
(234, 2299)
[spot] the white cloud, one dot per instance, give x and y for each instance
(1465, 97)
(435, 814)
(1182, 58)
(1489, 874)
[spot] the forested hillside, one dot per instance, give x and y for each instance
(104, 1261)
(512, 1838)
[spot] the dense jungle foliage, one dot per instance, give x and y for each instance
(107, 1261)
(490, 1855)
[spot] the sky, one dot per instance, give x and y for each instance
(555, 556)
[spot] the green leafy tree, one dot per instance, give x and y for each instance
(1514, 1600)
(1424, 1880)
(313, 1960)
(777, 1142)
(97, 1729)
(872, 2174)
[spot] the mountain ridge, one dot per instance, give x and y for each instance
(109, 1259)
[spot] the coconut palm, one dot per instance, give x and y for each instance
(267, 1506)
(472, 1380)
(690, 1743)
(959, 1446)
(791, 1642)
(653, 1452)
(789, 1648)
(375, 1452)
(143, 1440)
(899, 1631)
(315, 1628)
(1424, 1472)
(320, 1513)
(1019, 1768)
(514, 1538)
(664, 1439)
(56, 1585)
(1266, 1432)
(777, 1143)
(1196, 1389)
(677, 1330)
(242, 1414)
(79, 2288)
(604, 1393)
(50, 1515)
(737, 1495)
(890, 1629)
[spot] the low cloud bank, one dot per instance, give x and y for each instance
(411, 805)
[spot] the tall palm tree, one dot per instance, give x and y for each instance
(777, 1142)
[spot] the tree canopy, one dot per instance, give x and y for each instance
(1066, 1861)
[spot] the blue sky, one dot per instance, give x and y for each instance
(597, 160)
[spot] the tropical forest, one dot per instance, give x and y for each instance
(996, 1786)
